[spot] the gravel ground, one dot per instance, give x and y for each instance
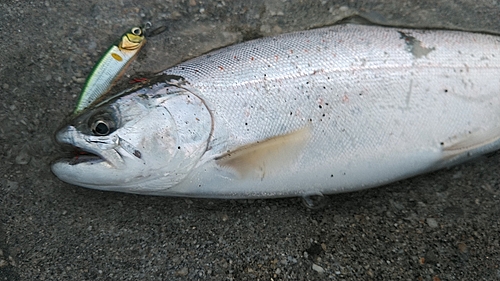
(439, 226)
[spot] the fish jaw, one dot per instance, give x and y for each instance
(99, 158)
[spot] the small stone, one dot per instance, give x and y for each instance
(175, 15)
(3, 263)
(182, 272)
(343, 8)
(278, 271)
(317, 268)
(23, 158)
(432, 222)
(1, 253)
(277, 29)
(92, 45)
(5, 86)
(431, 257)
(462, 247)
(79, 80)
(265, 28)
(11, 185)
(48, 77)
(457, 175)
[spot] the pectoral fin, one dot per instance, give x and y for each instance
(265, 157)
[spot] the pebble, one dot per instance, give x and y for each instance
(318, 268)
(432, 222)
(48, 77)
(457, 175)
(23, 158)
(182, 272)
(265, 28)
(5, 86)
(92, 45)
(3, 263)
(11, 185)
(79, 80)
(462, 247)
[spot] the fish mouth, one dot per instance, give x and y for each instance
(74, 155)
(76, 150)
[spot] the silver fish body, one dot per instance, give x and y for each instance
(323, 111)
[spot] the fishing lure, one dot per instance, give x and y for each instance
(110, 67)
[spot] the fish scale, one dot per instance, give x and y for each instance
(329, 110)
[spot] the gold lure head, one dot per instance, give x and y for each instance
(132, 40)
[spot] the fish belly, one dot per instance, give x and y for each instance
(372, 104)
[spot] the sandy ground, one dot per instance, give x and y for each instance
(439, 226)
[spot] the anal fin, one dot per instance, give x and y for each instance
(474, 143)
(262, 158)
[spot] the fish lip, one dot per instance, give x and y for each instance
(74, 153)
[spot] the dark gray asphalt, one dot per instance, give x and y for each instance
(439, 226)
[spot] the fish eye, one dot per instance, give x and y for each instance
(136, 31)
(101, 127)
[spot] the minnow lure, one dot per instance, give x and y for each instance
(110, 67)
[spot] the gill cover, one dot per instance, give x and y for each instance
(147, 141)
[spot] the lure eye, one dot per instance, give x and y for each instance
(136, 31)
(102, 128)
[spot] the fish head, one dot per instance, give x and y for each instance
(143, 142)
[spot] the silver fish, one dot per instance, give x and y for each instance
(323, 111)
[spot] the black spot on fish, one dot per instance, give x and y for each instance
(137, 154)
